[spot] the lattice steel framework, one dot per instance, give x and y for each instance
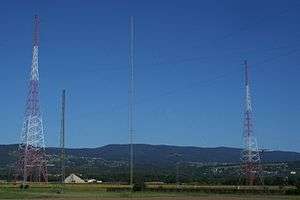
(32, 165)
(62, 137)
(251, 163)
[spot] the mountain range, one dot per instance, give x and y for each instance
(157, 155)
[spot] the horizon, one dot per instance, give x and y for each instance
(188, 63)
(170, 145)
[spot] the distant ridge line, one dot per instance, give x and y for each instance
(161, 154)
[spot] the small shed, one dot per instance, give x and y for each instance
(74, 179)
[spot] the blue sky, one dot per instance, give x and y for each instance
(189, 73)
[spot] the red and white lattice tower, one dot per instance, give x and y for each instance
(251, 163)
(32, 162)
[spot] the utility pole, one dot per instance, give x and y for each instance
(62, 136)
(131, 96)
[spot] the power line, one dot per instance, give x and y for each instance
(157, 64)
(243, 28)
(227, 36)
(203, 83)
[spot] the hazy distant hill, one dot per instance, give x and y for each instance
(158, 155)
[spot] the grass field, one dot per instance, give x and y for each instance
(94, 191)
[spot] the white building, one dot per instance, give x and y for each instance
(74, 179)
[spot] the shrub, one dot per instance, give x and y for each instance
(24, 186)
(138, 186)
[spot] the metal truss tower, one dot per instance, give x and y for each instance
(32, 165)
(62, 136)
(251, 163)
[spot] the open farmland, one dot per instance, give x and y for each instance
(97, 191)
(186, 198)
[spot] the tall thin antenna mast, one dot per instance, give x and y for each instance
(131, 95)
(62, 136)
(250, 155)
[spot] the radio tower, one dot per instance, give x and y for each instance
(62, 136)
(251, 166)
(32, 161)
(131, 100)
